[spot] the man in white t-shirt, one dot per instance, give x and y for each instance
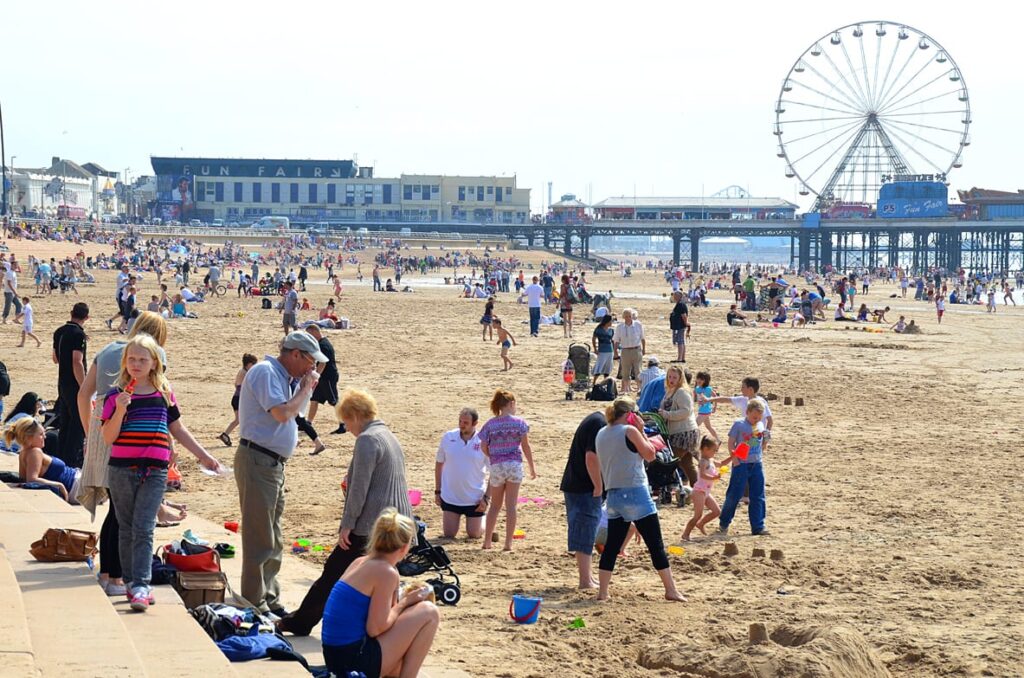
(11, 292)
(460, 478)
(534, 299)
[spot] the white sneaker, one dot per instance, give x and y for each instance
(115, 590)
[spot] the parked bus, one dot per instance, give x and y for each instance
(69, 212)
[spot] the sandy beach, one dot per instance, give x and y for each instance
(892, 493)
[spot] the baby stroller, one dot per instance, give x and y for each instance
(663, 475)
(423, 557)
(579, 357)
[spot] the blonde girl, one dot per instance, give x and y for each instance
(504, 440)
(702, 497)
(140, 414)
(367, 627)
(34, 465)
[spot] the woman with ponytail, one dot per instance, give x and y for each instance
(366, 627)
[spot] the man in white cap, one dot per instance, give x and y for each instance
(652, 372)
(267, 406)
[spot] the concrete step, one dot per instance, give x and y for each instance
(16, 658)
(70, 620)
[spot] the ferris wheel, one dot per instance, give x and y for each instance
(866, 103)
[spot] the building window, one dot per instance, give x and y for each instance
(480, 193)
(218, 191)
(490, 190)
(294, 197)
(257, 191)
(508, 191)
(332, 193)
(275, 192)
(462, 193)
(386, 194)
(238, 191)
(312, 193)
(435, 188)
(407, 192)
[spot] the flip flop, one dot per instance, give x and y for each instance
(225, 438)
(168, 524)
(225, 550)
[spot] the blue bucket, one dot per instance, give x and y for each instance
(524, 610)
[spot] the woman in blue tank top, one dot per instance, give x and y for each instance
(35, 466)
(366, 627)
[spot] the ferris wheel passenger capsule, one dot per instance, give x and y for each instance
(941, 57)
(957, 165)
(804, 191)
(880, 31)
(923, 44)
(789, 172)
(799, 68)
(903, 35)
(816, 50)
(835, 39)
(954, 76)
(858, 31)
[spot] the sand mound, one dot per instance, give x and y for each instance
(825, 651)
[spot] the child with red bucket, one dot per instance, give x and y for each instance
(746, 442)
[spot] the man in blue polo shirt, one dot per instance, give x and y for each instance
(267, 406)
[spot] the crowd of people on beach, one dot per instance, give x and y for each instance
(119, 425)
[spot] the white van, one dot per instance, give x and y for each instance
(272, 223)
(405, 231)
(363, 231)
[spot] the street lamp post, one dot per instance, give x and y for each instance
(3, 155)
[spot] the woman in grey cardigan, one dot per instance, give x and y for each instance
(678, 413)
(375, 481)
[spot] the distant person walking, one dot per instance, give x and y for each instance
(267, 407)
(326, 391)
(534, 300)
(11, 292)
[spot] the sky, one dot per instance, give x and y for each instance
(601, 99)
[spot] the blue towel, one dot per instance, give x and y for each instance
(652, 395)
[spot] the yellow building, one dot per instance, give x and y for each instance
(314, 191)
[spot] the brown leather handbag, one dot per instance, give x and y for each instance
(60, 545)
(200, 588)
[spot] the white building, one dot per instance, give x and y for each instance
(42, 190)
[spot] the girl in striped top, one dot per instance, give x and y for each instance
(139, 417)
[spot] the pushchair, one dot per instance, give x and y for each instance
(663, 475)
(424, 557)
(579, 357)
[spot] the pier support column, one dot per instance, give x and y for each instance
(567, 243)
(677, 241)
(694, 249)
(826, 248)
(804, 251)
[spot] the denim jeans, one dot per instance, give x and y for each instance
(137, 495)
(583, 514)
(10, 299)
(742, 476)
(534, 319)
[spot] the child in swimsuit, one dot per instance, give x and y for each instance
(701, 495)
(506, 340)
(487, 318)
(703, 388)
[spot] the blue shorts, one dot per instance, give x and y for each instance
(583, 514)
(679, 337)
(630, 503)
